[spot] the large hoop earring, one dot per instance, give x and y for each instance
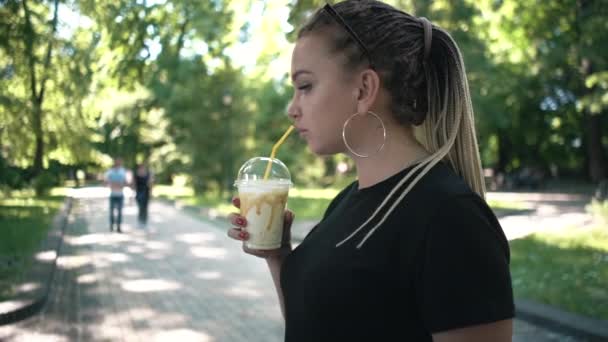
(346, 142)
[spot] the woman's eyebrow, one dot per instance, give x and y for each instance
(298, 73)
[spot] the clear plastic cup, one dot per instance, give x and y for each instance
(263, 201)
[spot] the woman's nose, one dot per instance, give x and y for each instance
(292, 111)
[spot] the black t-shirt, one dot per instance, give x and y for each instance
(439, 262)
(142, 183)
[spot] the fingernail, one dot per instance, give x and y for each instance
(240, 221)
(243, 235)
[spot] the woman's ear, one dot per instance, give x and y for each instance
(369, 86)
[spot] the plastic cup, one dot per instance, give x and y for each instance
(263, 201)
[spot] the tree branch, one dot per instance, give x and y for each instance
(29, 48)
(47, 60)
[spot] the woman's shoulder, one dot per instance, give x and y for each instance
(444, 179)
(455, 204)
(339, 198)
(439, 194)
(440, 184)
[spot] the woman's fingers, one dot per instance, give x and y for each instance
(236, 202)
(238, 234)
(288, 219)
(237, 220)
(262, 253)
(287, 222)
(241, 235)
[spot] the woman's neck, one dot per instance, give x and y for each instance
(401, 151)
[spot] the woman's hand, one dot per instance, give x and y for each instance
(239, 232)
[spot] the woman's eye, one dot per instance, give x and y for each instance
(304, 87)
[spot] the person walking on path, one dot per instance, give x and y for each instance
(143, 181)
(116, 180)
(410, 249)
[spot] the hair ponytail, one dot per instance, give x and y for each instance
(449, 129)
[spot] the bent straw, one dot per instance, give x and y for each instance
(274, 150)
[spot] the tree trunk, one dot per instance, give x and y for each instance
(37, 92)
(592, 131)
(596, 155)
(39, 138)
(504, 151)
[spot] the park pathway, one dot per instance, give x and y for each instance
(182, 280)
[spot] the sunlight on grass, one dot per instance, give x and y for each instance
(307, 203)
(508, 205)
(313, 193)
(62, 192)
(172, 192)
(24, 221)
(567, 268)
(599, 209)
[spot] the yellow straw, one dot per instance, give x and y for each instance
(274, 150)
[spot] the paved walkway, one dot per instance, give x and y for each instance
(183, 280)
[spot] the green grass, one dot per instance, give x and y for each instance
(24, 221)
(508, 205)
(567, 268)
(308, 204)
(172, 192)
(599, 209)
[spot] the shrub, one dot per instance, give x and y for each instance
(43, 183)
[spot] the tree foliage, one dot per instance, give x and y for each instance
(198, 87)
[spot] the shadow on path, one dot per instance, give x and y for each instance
(182, 281)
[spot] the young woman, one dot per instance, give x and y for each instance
(410, 250)
(143, 188)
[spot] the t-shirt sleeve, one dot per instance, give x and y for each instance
(464, 277)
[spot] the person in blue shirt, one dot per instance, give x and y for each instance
(116, 180)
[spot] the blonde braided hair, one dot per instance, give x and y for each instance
(436, 100)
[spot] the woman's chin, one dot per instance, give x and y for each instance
(322, 150)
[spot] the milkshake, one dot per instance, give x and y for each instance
(263, 201)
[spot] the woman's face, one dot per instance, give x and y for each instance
(323, 99)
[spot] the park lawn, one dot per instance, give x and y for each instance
(307, 203)
(24, 222)
(501, 205)
(567, 268)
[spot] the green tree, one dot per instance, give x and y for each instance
(557, 42)
(47, 69)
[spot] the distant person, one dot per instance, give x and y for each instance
(116, 180)
(143, 181)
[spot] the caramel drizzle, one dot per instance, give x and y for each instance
(276, 200)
